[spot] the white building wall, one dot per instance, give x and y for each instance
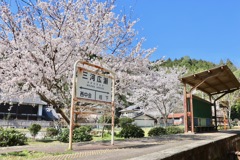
(144, 123)
(40, 108)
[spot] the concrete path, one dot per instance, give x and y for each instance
(134, 149)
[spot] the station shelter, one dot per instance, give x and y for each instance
(201, 114)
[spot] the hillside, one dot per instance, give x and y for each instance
(195, 66)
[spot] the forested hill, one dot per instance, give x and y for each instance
(195, 66)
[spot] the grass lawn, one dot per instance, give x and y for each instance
(42, 141)
(146, 130)
(107, 135)
(22, 155)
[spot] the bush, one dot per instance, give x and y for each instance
(131, 131)
(174, 130)
(82, 134)
(63, 136)
(11, 137)
(51, 132)
(156, 131)
(79, 134)
(34, 129)
(125, 121)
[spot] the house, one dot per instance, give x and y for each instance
(177, 118)
(149, 118)
(130, 112)
(140, 119)
(144, 120)
(16, 114)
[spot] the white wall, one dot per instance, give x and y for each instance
(40, 108)
(144, 123)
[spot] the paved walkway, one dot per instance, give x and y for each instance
(134, 149)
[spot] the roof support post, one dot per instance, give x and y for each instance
(215, 115)
(192, 116)
(185, 109)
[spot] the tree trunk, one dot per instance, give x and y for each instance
(158, 121)
(229, 117)
(165, 121)
(103, 131)
(60, 111)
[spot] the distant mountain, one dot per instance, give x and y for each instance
(195, 66)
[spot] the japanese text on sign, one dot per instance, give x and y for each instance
(93, 86)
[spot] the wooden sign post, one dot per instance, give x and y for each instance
(91, 84)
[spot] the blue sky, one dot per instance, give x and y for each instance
(203, 29)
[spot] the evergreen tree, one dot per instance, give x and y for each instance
(192, 65)
(231, 65)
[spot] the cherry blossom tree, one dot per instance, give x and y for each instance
(41, 40)
(157, 90)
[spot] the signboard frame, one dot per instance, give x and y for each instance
(80, 71)
(79, 67)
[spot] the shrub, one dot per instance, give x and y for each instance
(131, 131)
(11, 137)
(82, 134)
(125, 121)
(51, 132)
(174, 130)
(156, 131)
(34, 129)
(63, 135)
(79, 134)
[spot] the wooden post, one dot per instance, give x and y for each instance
(112, 133)
(72, 107)
(71, 127)
(185, 109)
(224, 119)
(210, 99)
(113, 110)
(215, 114)
(192, 116)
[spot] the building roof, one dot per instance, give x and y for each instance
(130, 109)
(176, 115)
(142, 114)
(213, 81)
(27, 100)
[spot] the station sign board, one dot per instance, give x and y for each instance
(93, 86)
